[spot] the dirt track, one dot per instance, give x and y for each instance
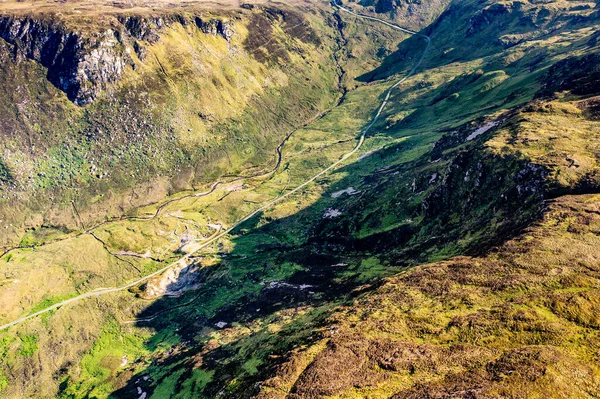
(218, 235)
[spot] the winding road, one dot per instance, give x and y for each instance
(185, 259)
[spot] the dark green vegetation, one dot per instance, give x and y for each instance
(457, 256)
(520, 322)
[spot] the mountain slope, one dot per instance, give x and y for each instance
(113, 112)
(453, 256)
(520, 322)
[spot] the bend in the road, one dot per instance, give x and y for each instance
(269, 204)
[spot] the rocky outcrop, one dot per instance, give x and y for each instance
(144, 28)
(215, 27)
(80, 65)
(148, 28)
(174, 282)
(578, 74)
(84, 64)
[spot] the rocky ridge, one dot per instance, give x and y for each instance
(83, 64)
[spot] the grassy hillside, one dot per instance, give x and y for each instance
(519, 323)
(452, 256)
(302, 285)
(184, 110)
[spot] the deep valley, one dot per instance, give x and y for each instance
(355, 199)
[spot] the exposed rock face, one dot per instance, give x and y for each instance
(215, 27)
(81, 66)
(486, 16)
(84, 64)
(175, 281)
(143, 28)
(580, 75)
(471, 181)
(140, 51)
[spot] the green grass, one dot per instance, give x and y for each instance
(388, 225)
(193, 386)
(29, 345)
(465, 319)
(166, 389)
(51, 301)
(5, 175)
(252, 365)
(3, 382)
(97, 156)
(103, 361)
(367, 270)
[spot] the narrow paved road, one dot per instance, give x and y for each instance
(217, 236)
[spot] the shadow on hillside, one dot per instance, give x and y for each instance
(404, 212)
(463, 33)
(267, 276)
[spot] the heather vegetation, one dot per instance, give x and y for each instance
(453, 255)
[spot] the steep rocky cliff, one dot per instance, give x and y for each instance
(83, 63)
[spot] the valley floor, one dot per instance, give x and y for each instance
(434, 235)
